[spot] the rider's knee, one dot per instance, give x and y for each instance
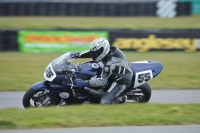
(105, 102)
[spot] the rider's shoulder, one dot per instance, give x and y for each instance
(112, 48)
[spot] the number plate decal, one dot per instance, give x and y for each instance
(49, 73)
(142, 77)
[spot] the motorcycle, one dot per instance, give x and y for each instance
(57, 89)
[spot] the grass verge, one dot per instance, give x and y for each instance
(191, 22)
(18, 71)
(98, 115)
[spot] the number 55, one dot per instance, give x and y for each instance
(144, 77)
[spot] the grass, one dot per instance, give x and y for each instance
(191, 22)
(18, 71)
(98, 115)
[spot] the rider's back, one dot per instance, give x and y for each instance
(117, 63)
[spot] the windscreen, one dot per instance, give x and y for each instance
(63, 63)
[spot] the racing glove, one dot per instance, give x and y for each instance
(75, 55)
(81, 83)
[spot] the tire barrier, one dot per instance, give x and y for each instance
(137, 40)
(8, 40)
(55, 8)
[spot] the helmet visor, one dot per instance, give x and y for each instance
(95, 54)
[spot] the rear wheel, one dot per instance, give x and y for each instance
(141, 94)
(33, 99)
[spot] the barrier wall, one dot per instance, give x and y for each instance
(11, 8)
(148, 40)
(137, 40)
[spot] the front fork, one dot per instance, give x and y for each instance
(63, 95)
(49, 94)
(49, 89)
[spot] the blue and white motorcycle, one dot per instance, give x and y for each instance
(57, 89)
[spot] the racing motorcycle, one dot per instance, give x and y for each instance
(58, 90)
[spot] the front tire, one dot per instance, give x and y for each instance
(33, 98)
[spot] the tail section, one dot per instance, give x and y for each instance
(145, 71)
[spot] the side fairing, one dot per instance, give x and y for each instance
(46, 85)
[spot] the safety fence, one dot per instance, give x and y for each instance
(62, 40)
(78, 8)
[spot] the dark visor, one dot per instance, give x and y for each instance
(96, 54)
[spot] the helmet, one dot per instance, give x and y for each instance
(99, 48)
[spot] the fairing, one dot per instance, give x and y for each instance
(90, 69)
(153, 65)
(145, 71)
(46, 85)
(59, 67)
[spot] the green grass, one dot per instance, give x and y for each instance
(192, 22)
(18, 71)
(98, 115)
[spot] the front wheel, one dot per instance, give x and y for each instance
(141, 94)
(33, 99)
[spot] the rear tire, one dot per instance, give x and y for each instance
(140, 94)
(146, 89)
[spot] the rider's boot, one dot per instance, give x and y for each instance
(120, 99)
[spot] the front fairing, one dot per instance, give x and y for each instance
(57, 69)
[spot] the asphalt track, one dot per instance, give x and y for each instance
(14, 100)
(124, 129)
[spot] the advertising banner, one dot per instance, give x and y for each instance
(143, 41)
(57, 41)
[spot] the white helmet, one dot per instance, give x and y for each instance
(99, 48)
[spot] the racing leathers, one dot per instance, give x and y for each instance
(117, 69)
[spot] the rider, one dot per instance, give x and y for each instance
(116, 68)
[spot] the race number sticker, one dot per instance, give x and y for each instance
(142, 77)
(49, 73)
